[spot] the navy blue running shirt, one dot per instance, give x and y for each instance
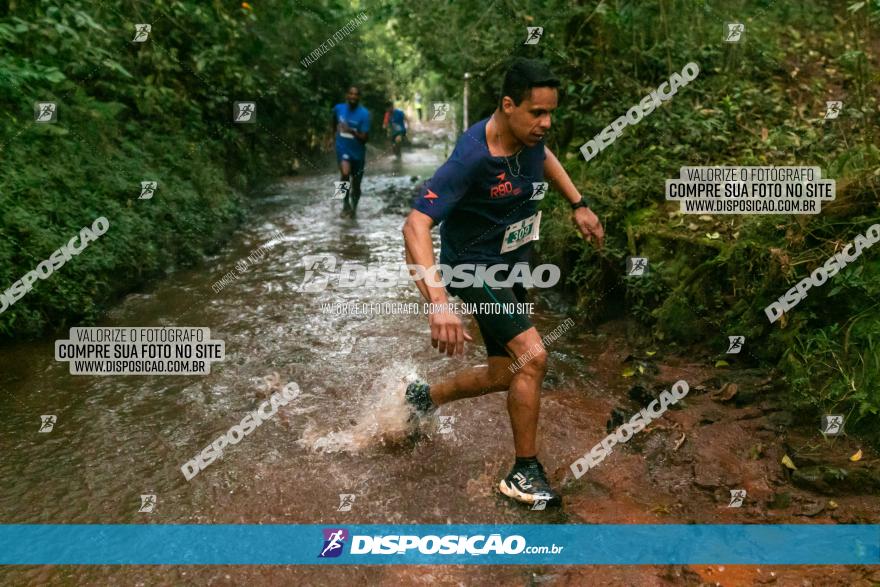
(487, 206)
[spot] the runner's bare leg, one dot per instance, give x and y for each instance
(523, 397)
(474, 381)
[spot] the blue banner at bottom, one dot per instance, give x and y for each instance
(527, 544)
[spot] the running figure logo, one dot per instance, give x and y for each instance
(534, 35)
(244, 112)
(341, 189)
(832, 425)
(311, 262)
(440, 111)
(736, 498)
(736, 343)
(47, 423)
(446, 423)
(636, 265)
(832, 109)
(539, 189)
(148, 504)
(141, 33)
(148, 188)
(334, 539)
(346, 500)
(540, 504)
(735, 31)
(45, 112)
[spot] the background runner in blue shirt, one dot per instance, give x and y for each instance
(485, 200)
(396, 122)
(351, 125)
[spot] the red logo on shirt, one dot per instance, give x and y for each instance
(504, 188)
(431, 196)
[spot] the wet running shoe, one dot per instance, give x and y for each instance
(528, 484)
(418, 396)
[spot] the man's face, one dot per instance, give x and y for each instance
(530, 121)
(353, 97)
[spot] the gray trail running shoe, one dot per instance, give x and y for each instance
(528, 484)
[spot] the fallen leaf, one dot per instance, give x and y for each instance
(857, 456)
(832, 505)
(650, 353)
(713, 235)
(628, 372)
(726, 393)
(705, 217)
(721, 363)
(680, 441)
(764, 134)
(641, 369)
(693, 226)
(786, 460)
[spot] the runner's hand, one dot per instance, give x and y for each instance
(447, 332)
(589, 226)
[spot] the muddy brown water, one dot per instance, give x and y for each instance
(119, 437)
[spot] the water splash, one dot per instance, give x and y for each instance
(382, 421)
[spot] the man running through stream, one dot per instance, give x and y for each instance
(395, 122)
(485, 199)
(351, 124)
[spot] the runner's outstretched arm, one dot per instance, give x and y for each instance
(587, 222)
(447, 331)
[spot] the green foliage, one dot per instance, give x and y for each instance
(159, 110)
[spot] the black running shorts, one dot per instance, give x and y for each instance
(497, 326)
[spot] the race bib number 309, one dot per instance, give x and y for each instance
(519, 233)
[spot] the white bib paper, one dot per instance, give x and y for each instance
(519, 233)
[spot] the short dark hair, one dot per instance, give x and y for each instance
(523, 75)
(389, 103)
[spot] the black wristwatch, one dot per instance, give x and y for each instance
(582, 203)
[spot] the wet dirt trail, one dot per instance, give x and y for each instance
(119, 437)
